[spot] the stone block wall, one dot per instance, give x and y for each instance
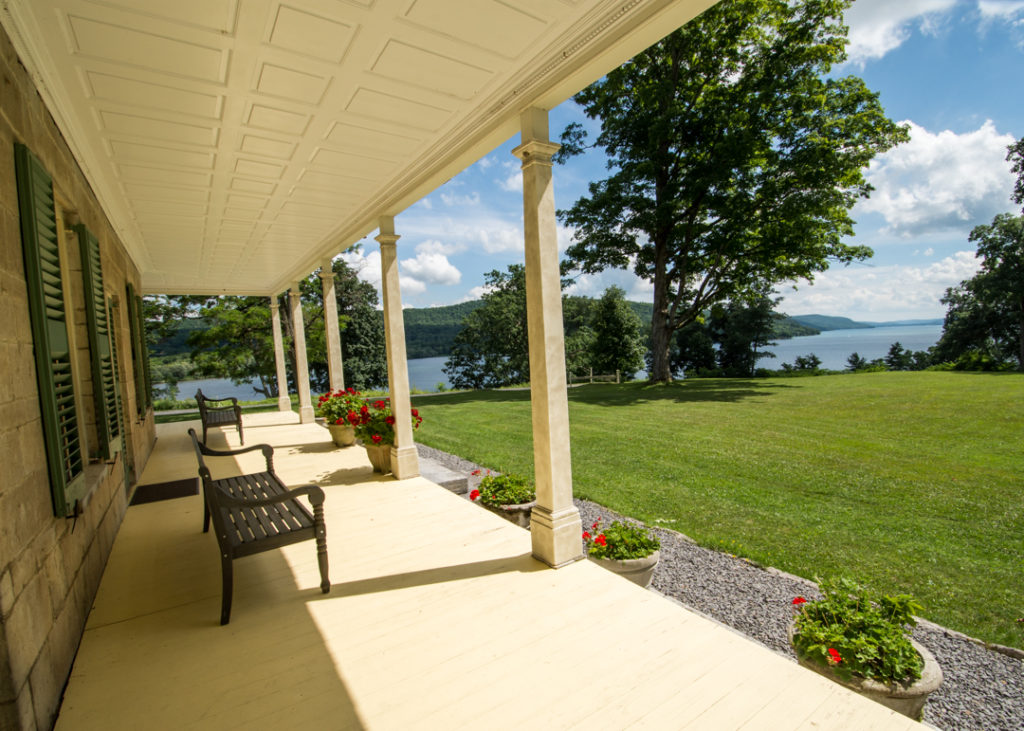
(50, 567)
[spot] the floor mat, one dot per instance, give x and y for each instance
(165, 491)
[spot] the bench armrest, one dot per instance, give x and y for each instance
(316, 497)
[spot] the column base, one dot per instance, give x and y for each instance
(405, 462)
(307, 415)
(556, 536)
(284, 403)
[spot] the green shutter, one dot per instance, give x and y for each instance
(40, 246)
(108, 425)
(140, 355)
(147, 379)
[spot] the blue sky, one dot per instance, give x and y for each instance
(951, 69)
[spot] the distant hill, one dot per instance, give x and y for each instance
(899, 323)
(825, 322)
(430, 331)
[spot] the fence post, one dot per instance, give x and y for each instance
(617, 376)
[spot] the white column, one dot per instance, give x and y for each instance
(306, 414)
(284, 403)
(404, 460)
(555, 526)
(337, 376)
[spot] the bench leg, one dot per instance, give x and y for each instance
(226, 577)
(240, 437)
(321, 546)
(206, 513)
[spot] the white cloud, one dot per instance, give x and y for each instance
(433, 246)
(879, 26)
(433, 268)
(485, 162)
(941, 181)
(453, 199)
(929, 251)
(427, 203)
(880, 293)
(1000, 9)
(477, 292)
(594, 285)
(366, 266)
(513, 183)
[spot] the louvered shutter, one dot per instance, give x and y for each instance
(40, 246)
(140, 355)
(108, 425)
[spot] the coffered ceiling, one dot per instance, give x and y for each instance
(236, 143)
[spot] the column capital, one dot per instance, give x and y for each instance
(536, 152)
(387, 239)
(274, 306)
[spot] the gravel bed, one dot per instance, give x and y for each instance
(981, 689)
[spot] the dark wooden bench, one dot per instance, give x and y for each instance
(255, 513)
(219, 415)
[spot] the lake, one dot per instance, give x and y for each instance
(832, 346)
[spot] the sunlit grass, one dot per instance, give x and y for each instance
(905, 481)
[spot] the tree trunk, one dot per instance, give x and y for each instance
(1020, 339)
(661, 334)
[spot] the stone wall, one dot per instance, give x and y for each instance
(50, 567)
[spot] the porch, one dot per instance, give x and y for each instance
(438, 618)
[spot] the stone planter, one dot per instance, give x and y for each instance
(905, 698)
(380, 457)
(518, 514)
(638, 570)
(342, 434)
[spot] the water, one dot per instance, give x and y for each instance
(217, 388)
(835, 346)
(832, 346)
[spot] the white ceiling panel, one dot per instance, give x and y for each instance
(234, 145)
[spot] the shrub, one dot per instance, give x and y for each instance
(858, 632)
(504, 490)
(620, 541)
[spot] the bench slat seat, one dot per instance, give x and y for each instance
(256, 512)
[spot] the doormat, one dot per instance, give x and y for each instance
(165, 491)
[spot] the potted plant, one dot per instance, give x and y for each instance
(337, 408)
(861, 640)
(375, 426)
(627, 549)
(510, 496)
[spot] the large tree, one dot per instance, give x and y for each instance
(986, 312)
(735, 159)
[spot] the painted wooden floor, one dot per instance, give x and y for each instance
(438, 619)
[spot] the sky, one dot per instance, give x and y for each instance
(949, 69)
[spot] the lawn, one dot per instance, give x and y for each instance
(909, 482)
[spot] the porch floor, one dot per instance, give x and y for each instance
(438, 617)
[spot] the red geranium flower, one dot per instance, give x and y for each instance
(600, 540)
(475, 472)
(378, 404)
(799, 600)
(364, 409)
(834, 656)
(376, 438)
(415, 412)
(586, 536)
(340, 421)
(389, 420)
(474, 495)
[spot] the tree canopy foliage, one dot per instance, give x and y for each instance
(734, 159)
(231, 337)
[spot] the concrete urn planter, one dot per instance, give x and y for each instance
(518, 514)
(638, 570)
(905, 698)
(342, 434)
(380, 457)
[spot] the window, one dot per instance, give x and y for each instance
(40, 247)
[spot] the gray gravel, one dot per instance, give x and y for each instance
(982, 689)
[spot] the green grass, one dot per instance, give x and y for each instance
(907, 482)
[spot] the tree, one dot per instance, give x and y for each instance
(492, 349)
(898, 359)
(735, 159)
(742, 329)
(618, 343)
(986, 312)
(694, 349)
(855, 362)
(1015, 156)
(237, 341)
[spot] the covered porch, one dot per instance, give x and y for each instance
(438, 617)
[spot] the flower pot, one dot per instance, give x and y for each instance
(342, 434)
(638, 570)
(518, 514)
(905, 697)
(380, 457)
